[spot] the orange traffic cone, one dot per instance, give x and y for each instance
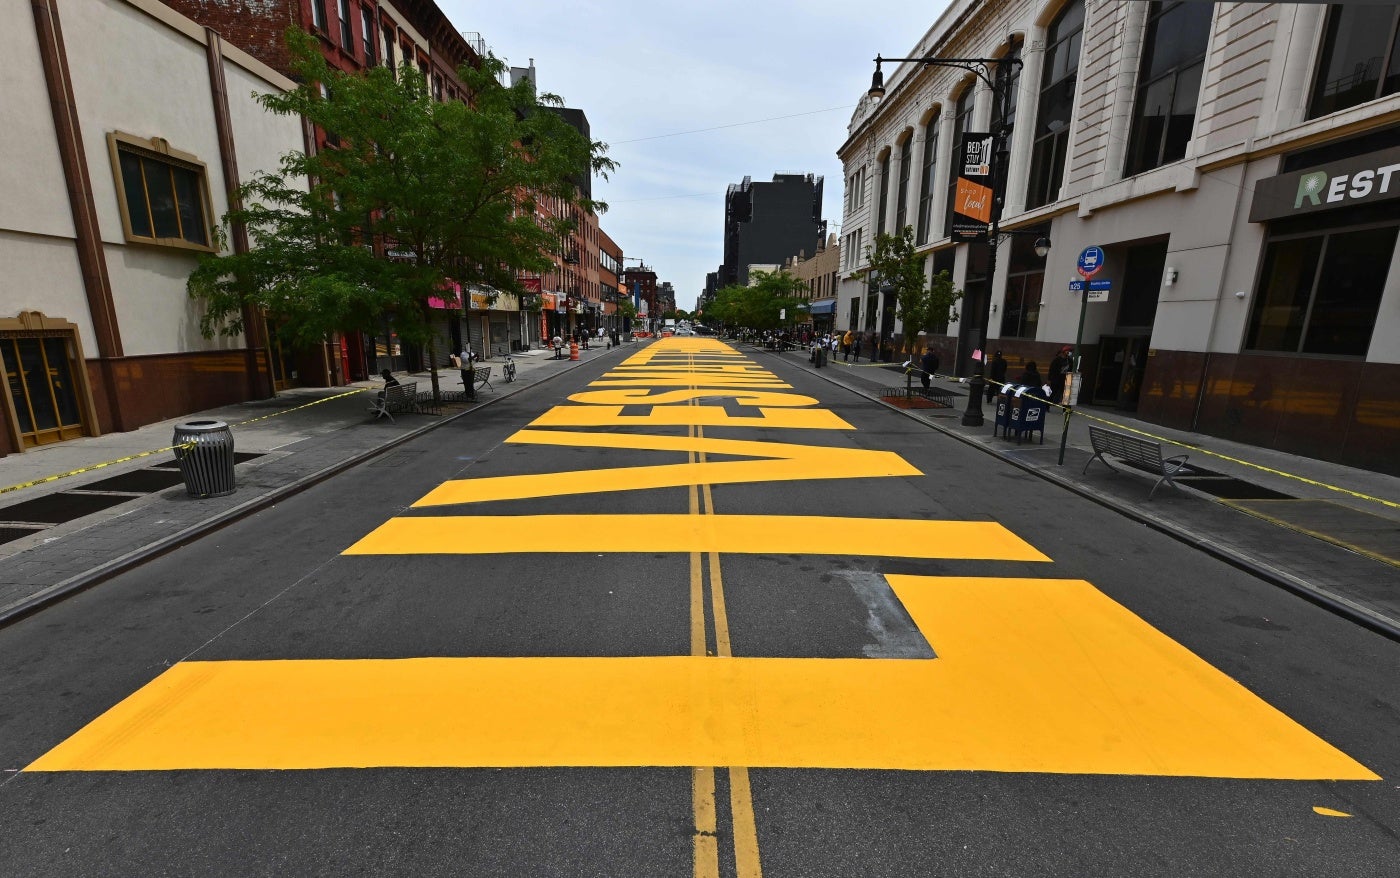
(573, 350)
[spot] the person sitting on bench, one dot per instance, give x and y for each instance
(389, 379)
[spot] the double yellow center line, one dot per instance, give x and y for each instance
(744, 827)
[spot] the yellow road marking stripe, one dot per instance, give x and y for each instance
(1032, 676)
(691, 415)
(706, 844)
(743, 534)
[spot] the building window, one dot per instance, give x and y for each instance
(1008, 80)
(43, 366)
(1169, 83)
(347, 39)
(1020, 312)
(884, 194)
(1360, 58)
(943, 262)
(1320, 294)
(901, 209)
(163, 195)
(926, 183)
(318, 15)
(962, 118)
(367, 35)
(1055, 106)
(389, 54)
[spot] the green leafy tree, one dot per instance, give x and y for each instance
(919, 304)
(415, 192)
(762, 304)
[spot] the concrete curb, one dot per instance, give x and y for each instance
(1334, 603)
(76, 584)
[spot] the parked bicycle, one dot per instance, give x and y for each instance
(508, 370)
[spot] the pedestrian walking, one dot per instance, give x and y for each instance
(930, 368)
(855, 347)
(1055, 374)
(464, 360)
(846, 341)
(996, 375)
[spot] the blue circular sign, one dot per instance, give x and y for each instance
(1090, 261)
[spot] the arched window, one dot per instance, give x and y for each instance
(901, 209)
(1055, 106)
(1169, 83)
(1360, 58)
(926, 190)
(962, 119)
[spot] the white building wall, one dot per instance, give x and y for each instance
(140, 78)
(36, 225)
(1252, 106)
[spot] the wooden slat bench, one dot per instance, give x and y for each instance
(1135, 450)
(395, 400)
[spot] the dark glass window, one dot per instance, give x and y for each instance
(164, 199)
(347, 38)
(1320, 294)
(901, 209)
(1056, 104)
(1360, 58)
(1008, 80)
(368, 35)
(926, 184)
(943, 263)
(962, 118)
(1020, 313)
(884, 194)
(1169, 83)
(318, 14)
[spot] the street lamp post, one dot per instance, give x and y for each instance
(980, 313)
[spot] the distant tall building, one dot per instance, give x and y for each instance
(767, 223)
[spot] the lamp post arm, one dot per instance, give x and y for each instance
(980, 67)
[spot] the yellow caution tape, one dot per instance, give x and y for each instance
(1270, 470)
(1206, 451)
(97, 466)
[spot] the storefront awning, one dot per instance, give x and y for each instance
(827, 307)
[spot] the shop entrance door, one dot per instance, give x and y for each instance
(1118, 377)
(41, 372)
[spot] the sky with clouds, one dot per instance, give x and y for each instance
(645, 71)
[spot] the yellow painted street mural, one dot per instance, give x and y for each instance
(1031, 674)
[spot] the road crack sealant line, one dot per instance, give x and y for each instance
(138, 456)
(80, 582)
(1333, 603)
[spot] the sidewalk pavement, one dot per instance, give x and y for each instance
(1341, 550)
(121, 501)
(1328, 532)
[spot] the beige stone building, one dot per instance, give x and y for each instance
(1239, 166)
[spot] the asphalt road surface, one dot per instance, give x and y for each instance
(687, 616)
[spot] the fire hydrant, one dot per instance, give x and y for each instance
(573, 350)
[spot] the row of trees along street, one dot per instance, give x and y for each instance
(410, 194)
(920, 303)
(773, 299)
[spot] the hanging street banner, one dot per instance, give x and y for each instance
(972, 197)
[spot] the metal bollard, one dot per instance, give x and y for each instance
(204, 451)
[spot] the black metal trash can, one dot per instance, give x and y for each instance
(207, 462)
